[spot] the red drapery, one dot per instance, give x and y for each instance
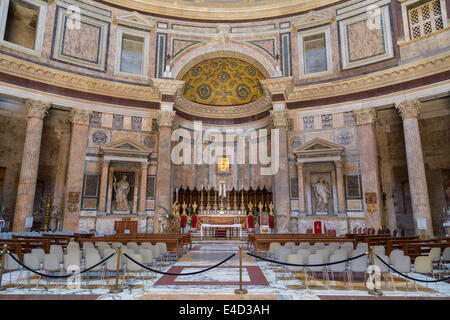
(250, 221)
(271, 222)
(194, 221)
(183, 221)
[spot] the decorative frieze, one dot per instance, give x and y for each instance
(409, 108)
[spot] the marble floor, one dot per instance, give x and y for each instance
(263, 280)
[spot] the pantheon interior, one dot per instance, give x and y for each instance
(329, 116)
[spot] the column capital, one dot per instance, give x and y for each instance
(165, 118)
(279, 118)
(37, 108)
(338, 164)
(80, 116)
(409, 108)
(365, 116)
(62, 127)
(299, 165)
(144, 165)
(105, 163)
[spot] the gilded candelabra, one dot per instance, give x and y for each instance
(208, 203)
(45, 212)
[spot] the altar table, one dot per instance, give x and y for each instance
(208, 229)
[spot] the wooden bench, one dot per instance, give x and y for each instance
(261, 242)
(22, 246)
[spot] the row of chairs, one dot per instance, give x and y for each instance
(320, 253)
(56, 262)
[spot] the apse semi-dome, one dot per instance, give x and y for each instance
(223, 82)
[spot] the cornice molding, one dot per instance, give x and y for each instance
(57, 78)
(211, 12)
(167, 86)
(134, 19)
(223, 112)
(415, 70)
(284, 86)
(312, 19)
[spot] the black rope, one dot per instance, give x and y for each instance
(64, 275)
(408, 277)
(179, 274)
(308, 265)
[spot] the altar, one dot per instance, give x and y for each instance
(218, 219)
(231, 230)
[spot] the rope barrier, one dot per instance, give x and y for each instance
(179, 274)
(408, 277)
(308, 265)
(62, 276)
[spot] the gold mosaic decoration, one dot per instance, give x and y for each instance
(223, 82)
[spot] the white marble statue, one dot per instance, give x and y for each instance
(122, 188)
(321, 194)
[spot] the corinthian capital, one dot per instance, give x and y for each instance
(409, 108)
(36, 108)
(279, 118)
(62, 127)
(365, 116)
(80, 116)
(165, 118)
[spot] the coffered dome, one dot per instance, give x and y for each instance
(223, 82)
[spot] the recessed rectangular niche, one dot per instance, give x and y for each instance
(132, 54)
(22, 25)
(315, 53)
(315, 58)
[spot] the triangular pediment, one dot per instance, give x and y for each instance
(134, 19)
(126, 146)
(319, 146)
(312, 19)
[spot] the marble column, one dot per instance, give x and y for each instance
(30, 163)
(143, 189)
(164, 170)
(409, 111)
(103, 188)
(301, 188)
(62, 131)
(281, 178)
(75, 167)
(340, 185)
(368, 159)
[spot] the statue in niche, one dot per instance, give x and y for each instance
(321, 194)
(122, 188)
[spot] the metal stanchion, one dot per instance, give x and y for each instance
(117, 289)
(5, 246)
(373, 292)
(240, 290)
